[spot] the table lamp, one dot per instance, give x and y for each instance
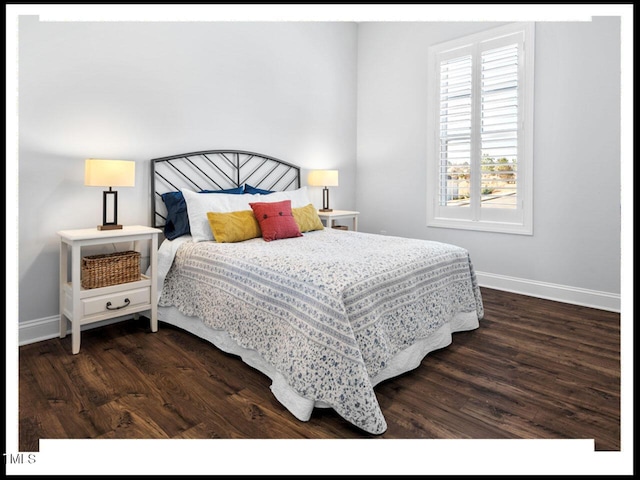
(324, 178)
(109, 173)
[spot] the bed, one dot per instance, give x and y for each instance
(326, 314)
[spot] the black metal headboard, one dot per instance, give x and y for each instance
(217, 170)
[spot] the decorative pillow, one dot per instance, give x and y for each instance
(307, 218)
(276, 220)
(198, 205)
(233, 226)
(177, 222)
(253, 190)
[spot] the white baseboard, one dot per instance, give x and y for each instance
(33, 331)
(551, 291)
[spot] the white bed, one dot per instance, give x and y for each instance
(326, 315)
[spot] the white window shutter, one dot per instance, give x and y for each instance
(482, 121)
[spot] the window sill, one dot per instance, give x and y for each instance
(496, 227)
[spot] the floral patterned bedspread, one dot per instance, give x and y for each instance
(328, 310)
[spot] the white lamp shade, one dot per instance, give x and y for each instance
(323, 178)
(109, 173)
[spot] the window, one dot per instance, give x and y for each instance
(481, 131)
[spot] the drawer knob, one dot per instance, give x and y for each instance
(126, 304)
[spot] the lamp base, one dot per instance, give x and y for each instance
(110, 227)
(325, 201)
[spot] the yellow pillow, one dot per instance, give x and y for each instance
(234, 226)
(307, 218)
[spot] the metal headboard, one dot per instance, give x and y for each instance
(217, 170)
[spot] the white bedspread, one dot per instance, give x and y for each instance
(331, 313)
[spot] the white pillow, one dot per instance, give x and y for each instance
(299, 198)
(199, 204)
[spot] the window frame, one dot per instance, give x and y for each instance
(517, 220)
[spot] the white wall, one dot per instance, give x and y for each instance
(576, 234)
(140, 90)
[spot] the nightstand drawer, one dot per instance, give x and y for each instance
(117, 302)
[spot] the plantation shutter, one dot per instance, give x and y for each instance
(455, 130)
(479, 127)
(481, 157)
(499, 127)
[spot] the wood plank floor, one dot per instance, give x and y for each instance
(535, 369)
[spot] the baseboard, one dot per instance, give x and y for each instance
(33, 331)
(550, 291)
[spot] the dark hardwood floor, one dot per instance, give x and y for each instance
(535, 369)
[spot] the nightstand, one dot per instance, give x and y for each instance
(84, 306)
(328, 218)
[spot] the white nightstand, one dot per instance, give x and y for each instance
(83, 306)
(328, 218)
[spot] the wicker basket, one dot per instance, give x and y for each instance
(110, 269)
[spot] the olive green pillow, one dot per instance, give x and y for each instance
(234, 226)
(307, 218)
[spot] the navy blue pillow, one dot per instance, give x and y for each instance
(177, 222)
(235, 191)
(253, 190)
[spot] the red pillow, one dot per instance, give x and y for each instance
(276, 220)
